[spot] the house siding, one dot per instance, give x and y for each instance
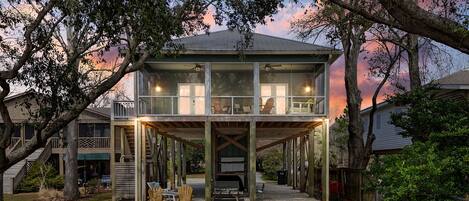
(387, 135)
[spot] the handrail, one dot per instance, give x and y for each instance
(15, 145)
(167, 105)
(122, 109)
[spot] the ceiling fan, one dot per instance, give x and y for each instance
(270, 67)
(198, 68)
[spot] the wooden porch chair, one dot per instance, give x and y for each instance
(155, 194)
(269, 104)
(185, 193)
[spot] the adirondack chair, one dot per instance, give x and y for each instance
(155, 194)
(269, 104)
(185, 193)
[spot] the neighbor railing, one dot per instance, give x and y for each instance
(122, 109)
(85, 142)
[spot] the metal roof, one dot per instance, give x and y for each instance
(229, 41)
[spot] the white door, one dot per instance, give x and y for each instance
(191, 98)
(278, 92)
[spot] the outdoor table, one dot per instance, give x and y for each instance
(169, 195)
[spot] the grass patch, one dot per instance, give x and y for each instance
(107, 196)
(21, 197)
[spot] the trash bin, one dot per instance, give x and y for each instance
(281, 177)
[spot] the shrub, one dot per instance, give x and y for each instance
(271, 163)
(40, 175)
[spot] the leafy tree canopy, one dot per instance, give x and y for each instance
(436, 166)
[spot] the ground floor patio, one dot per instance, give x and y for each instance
(272, 191)
(154, 150)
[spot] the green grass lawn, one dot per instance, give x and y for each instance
(21, 197)
(107, 196)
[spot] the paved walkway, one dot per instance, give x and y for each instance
(272, 191)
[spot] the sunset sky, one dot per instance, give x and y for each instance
(281, 27)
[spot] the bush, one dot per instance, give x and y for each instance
(436, 166)
(40, 175)
(271, 163)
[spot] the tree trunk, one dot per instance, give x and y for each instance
(413, 54)
(71, 163)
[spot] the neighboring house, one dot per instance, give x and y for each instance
(238, 102)
(387, 135)
(388, 140)
(93, 141)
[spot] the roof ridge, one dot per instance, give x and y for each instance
(261, 34)
(288, 39)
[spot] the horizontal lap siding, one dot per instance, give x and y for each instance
(125, 180)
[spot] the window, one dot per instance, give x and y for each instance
(378, 121)
(29, 131)
(93, 130)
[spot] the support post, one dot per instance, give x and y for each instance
(164, 164)
(61, 164)
(122, 138)
(172, 162)
(302, 165)
(252, 161)
(289, 163)
(23, 133)
(179, 163)
(325, 160)
(256, 88)
(311, 168)
(184, 174)
(208, 91)
(138, 161)
(284, 156)
(208, 161)
(112, 162)
(294, 166)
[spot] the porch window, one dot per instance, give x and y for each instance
(292, 88)
(232, 89)
(166, 88)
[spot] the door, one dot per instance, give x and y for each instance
(191, 98)
(276, 93)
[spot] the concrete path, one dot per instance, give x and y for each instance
(272, 191)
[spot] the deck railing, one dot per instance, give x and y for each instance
(122, 109)
(85, 142)
(230, 105)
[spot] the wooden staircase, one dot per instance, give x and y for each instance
(14, 174)
(130, 135)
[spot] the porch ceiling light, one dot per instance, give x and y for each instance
(158, 88)
(307, 89)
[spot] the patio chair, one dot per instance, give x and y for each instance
(269, 104)
(185, 193)
(155, 194)
(247, 109)
(216, 107)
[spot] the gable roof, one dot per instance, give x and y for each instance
(228, 41)
(103, 111)
(458, 80)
